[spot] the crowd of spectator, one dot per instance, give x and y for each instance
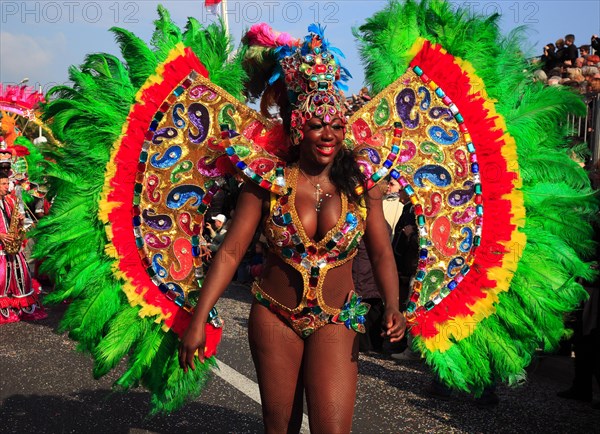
(563, 63)
(356, 101)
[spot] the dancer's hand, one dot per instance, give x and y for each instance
(394, 324)
(193, 340)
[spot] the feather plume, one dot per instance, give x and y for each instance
(140, 59)
(124, 330)
(559, 201)
(143, 356)
(213, 47)
(87, 118)
(166, 34)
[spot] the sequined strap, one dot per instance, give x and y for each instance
(262, 296)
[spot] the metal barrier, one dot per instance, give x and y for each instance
(595, 135)
(587, 128)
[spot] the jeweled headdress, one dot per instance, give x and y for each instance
(313, 75)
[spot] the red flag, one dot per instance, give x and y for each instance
(212, 5)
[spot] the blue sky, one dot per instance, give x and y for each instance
(40, 39)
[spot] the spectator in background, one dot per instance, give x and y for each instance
(550, 58)
(584, 51)
(406, 246)
(570, 52)
(560, 49)
(574, 74)
(217, 234)
(253, 261)
(356, 101)
(554, 81)
(540, 75)
(392, 206)
(217, 204)
(406, 253)
(589, 72)
(592, 60)
(257, 260)
(575, 80)
(595, 43)
(586, 341)
(556, 72)
(366, 287)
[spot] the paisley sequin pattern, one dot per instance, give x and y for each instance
(437, 167)
(179, 172)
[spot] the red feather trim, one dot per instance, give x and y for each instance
(275, 141)
(496, 181)
(122, 184)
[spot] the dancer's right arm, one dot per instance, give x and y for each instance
(247, 217)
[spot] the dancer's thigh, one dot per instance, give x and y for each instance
(277, 354)
(330, 377)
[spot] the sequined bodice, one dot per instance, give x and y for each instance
(287, 238)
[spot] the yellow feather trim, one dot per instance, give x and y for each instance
(134, 297)
(109, 250)
(157, 77)
(105, 206)
(462, 326)
(416, 47)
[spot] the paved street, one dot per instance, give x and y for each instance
(47, 387)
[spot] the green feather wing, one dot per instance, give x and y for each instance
(87, 118)
(559, 201)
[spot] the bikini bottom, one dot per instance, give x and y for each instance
(312, 318)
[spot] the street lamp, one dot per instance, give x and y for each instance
(25, 80)
(40, 138)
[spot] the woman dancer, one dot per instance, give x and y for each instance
(297, 343)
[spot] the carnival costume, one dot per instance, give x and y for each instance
(17, 293)
(287, 239)
(27, 168)
(469, 136)
(18, 290)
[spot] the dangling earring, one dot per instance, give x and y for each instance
(297, 137)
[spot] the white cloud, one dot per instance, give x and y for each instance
(22, 56)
